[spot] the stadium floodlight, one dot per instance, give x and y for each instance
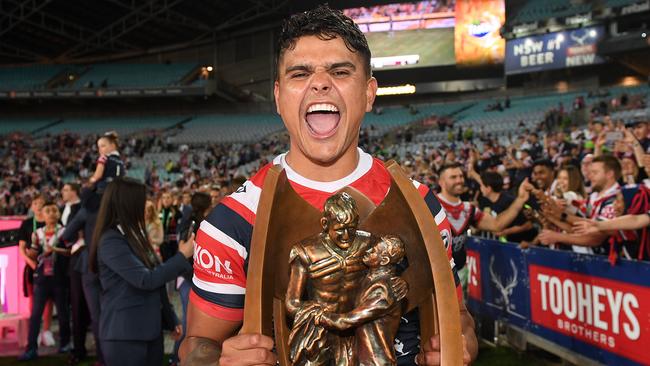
(528, 42)
(593, 33)
(209, 68)
(396, 90)
(643, 35)
(559, 38)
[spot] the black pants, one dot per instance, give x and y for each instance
(91, 288)
(80, 314)
(133, 353)
(44, 289)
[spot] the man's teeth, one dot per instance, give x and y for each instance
(322, 108)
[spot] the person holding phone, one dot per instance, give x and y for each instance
(132, 279)
(201, 206)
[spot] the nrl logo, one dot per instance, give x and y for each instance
(507, 287)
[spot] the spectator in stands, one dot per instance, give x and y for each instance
(170, 217)
(50, 281)
(543, 176)
(641, 133)
(605, 173)
(201, 207)
(153, 226)
(634, 204)
(494, 200)
(135, 308)
(109, 164)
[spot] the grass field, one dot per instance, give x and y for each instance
(435, 46)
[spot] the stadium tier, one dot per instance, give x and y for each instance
(134, 75)
(122, 125)
(25, 125)
(229, 128)
(37, 77)
(535, 10)
(28, 77)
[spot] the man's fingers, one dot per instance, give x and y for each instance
(428, 358)
(251, 357)
(249, 341)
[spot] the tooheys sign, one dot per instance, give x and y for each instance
(609, 314)
(570, 48)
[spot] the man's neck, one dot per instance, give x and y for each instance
(50, 227)
(323, 172)
(39, 218)
(449, 197)
(604, 191)
(73, 202)
(493, 196)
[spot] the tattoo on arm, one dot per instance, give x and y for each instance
(204, 352)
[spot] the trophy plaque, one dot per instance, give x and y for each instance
(324, 284)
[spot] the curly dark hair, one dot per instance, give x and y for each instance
(326, 24)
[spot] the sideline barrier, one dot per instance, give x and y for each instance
(574, 302)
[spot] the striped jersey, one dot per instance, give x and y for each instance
(223, 240)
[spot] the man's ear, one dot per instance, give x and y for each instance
(371, 93)
(276, 96)
(323, 223)
(384, 260)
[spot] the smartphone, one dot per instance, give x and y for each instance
(190, 230)
(612, 137)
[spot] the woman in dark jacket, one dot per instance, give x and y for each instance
(134, 304)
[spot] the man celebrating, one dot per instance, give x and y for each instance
(322, 91)
(463, 214)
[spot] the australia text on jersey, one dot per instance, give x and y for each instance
(212, 264)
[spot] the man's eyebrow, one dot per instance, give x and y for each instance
(310, 68)
(299, 68)
(337, 65)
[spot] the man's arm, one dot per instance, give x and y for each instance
(587, 240)
(627, 222)
(212, 341)
(375, 302)
(489, 223)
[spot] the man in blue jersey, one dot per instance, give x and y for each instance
(323, 89)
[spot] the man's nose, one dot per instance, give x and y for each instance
(346, 234)
(321, 82)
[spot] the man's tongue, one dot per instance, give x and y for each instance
(323, 123)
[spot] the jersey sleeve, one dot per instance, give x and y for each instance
(477, 216)
(102, 159)
(444, 227)
(220, 262)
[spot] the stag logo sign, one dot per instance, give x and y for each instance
(505, 284)
(608, 314)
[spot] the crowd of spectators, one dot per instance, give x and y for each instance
(401, 9)
(557, 185)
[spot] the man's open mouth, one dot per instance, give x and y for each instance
(323, 119)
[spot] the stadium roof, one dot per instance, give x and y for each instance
(73, 31)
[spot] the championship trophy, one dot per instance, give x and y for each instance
(325, 285)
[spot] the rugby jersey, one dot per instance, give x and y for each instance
(223, 239)
(461, 216)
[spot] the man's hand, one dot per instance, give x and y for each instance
(247, 350)
(400, 287)
(524, 190)
(547, 237)
(430, 354)
(585, 227)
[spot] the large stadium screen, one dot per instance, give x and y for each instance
(413, 34)
(477, 37)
